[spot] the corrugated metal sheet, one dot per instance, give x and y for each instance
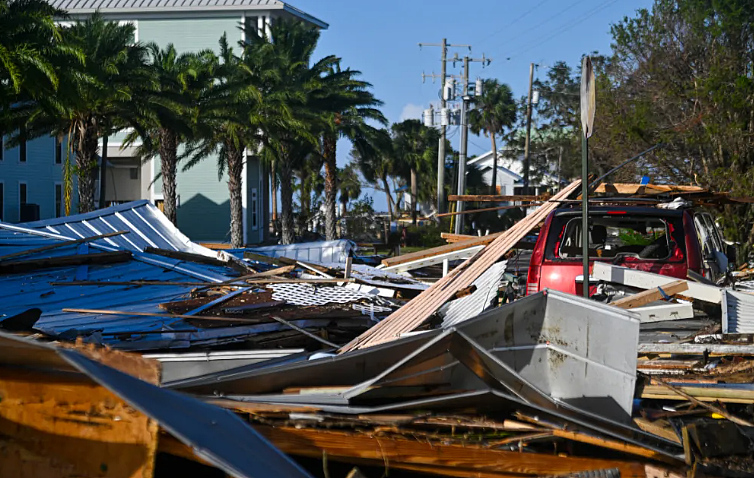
(148, 226)
(738, 312)
(149, 6)
(480, 300)
(318, 251)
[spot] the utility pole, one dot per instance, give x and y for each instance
(528, 131)
(443, 128)
(465, 138)
(464, 145)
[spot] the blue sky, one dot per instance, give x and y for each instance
(380, 38)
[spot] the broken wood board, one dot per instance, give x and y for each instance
(661, 428)
(487, 209)
(230, 261)
(495, 197)
(651, 295)
(663, 312)
(435, 251)
(647, 280)
(696, 349)
(98, 258)
(647, 189)
(77, 427)
(445, 460)
(423, 306)
(705, 393)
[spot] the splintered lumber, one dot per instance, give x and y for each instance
(651, 295)
(64, 425)
(703, 394)
(65, 243)
(272, 272)
(15, 267)
(697, 349)
(198, 258)
(436, 251)
(712, 408)
(494, 198)
(648, 189)
(661, 428)
(433, 458)
(423, 306)
(486, 209)
(451, 238)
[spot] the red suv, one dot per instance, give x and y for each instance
(664, 241)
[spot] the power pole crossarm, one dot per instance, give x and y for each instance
(527, 144)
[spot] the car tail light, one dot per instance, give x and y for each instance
(532, 281)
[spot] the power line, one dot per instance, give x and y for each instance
(545, 22)
(564, 29)
(516, 20)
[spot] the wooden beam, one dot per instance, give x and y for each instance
(697, 349)
(500, 208)
(17, 267)
(447, 460)
(71, 427)
(436, 251)
(58, 245)
(651, 295)
(495, 198)
(452, 238)
(198, 258)
(647, 189)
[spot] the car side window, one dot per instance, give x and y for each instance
(707, 233)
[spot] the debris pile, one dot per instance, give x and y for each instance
(256, 361)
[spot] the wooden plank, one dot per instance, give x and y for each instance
(712, 408)
(696, 349)
(17, 267)
(648, 189)
(436, 251)
(423, 306)
(661, 428)
(614, 445)
(651, 295)
(51, 247)
(76, 426)
(486, 209)
(273, 272)
(495, 197)
(468, 461)
(199, 259)
(703, 394)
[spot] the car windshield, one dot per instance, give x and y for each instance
(611, 236)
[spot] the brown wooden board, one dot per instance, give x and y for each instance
(17, 267)
(494, 198)
(423, 306)
(448, 460)
(651, 295)
(60, 244)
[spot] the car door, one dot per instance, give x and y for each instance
(715, 262)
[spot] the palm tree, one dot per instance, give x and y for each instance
(31, 50)
(378, 165)
(415, 148)
(169, 116)
(494, 110)
(347, 105)
(92, 100)
(349, 185)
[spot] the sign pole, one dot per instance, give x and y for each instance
(588, 104)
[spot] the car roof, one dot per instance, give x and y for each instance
(640, 210)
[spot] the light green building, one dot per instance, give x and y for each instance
(190, 25)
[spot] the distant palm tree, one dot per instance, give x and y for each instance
(349, 186)
(494, 110)
(92, 100)
(346, 105)
(378, 165)
(169, 116)
(415, 148)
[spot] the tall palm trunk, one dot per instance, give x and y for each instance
(305, 192)
(331, 183)
(414, 195)
(389, 198)
(286, 202)
(274, 188)
(103, 173)
(86, 163)
(168, 163)
(235, 184)
(494, 164)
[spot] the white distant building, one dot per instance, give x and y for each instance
(510, 172)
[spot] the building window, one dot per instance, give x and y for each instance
(22, 197)
(251, 24)
(58, 151)
(58, 199)
(254, 208)
(134, 173)
(22, 146)
(2, 201)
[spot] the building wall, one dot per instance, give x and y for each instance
(39, 172)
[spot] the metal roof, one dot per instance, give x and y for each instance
(170, 6)
(148, 226)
